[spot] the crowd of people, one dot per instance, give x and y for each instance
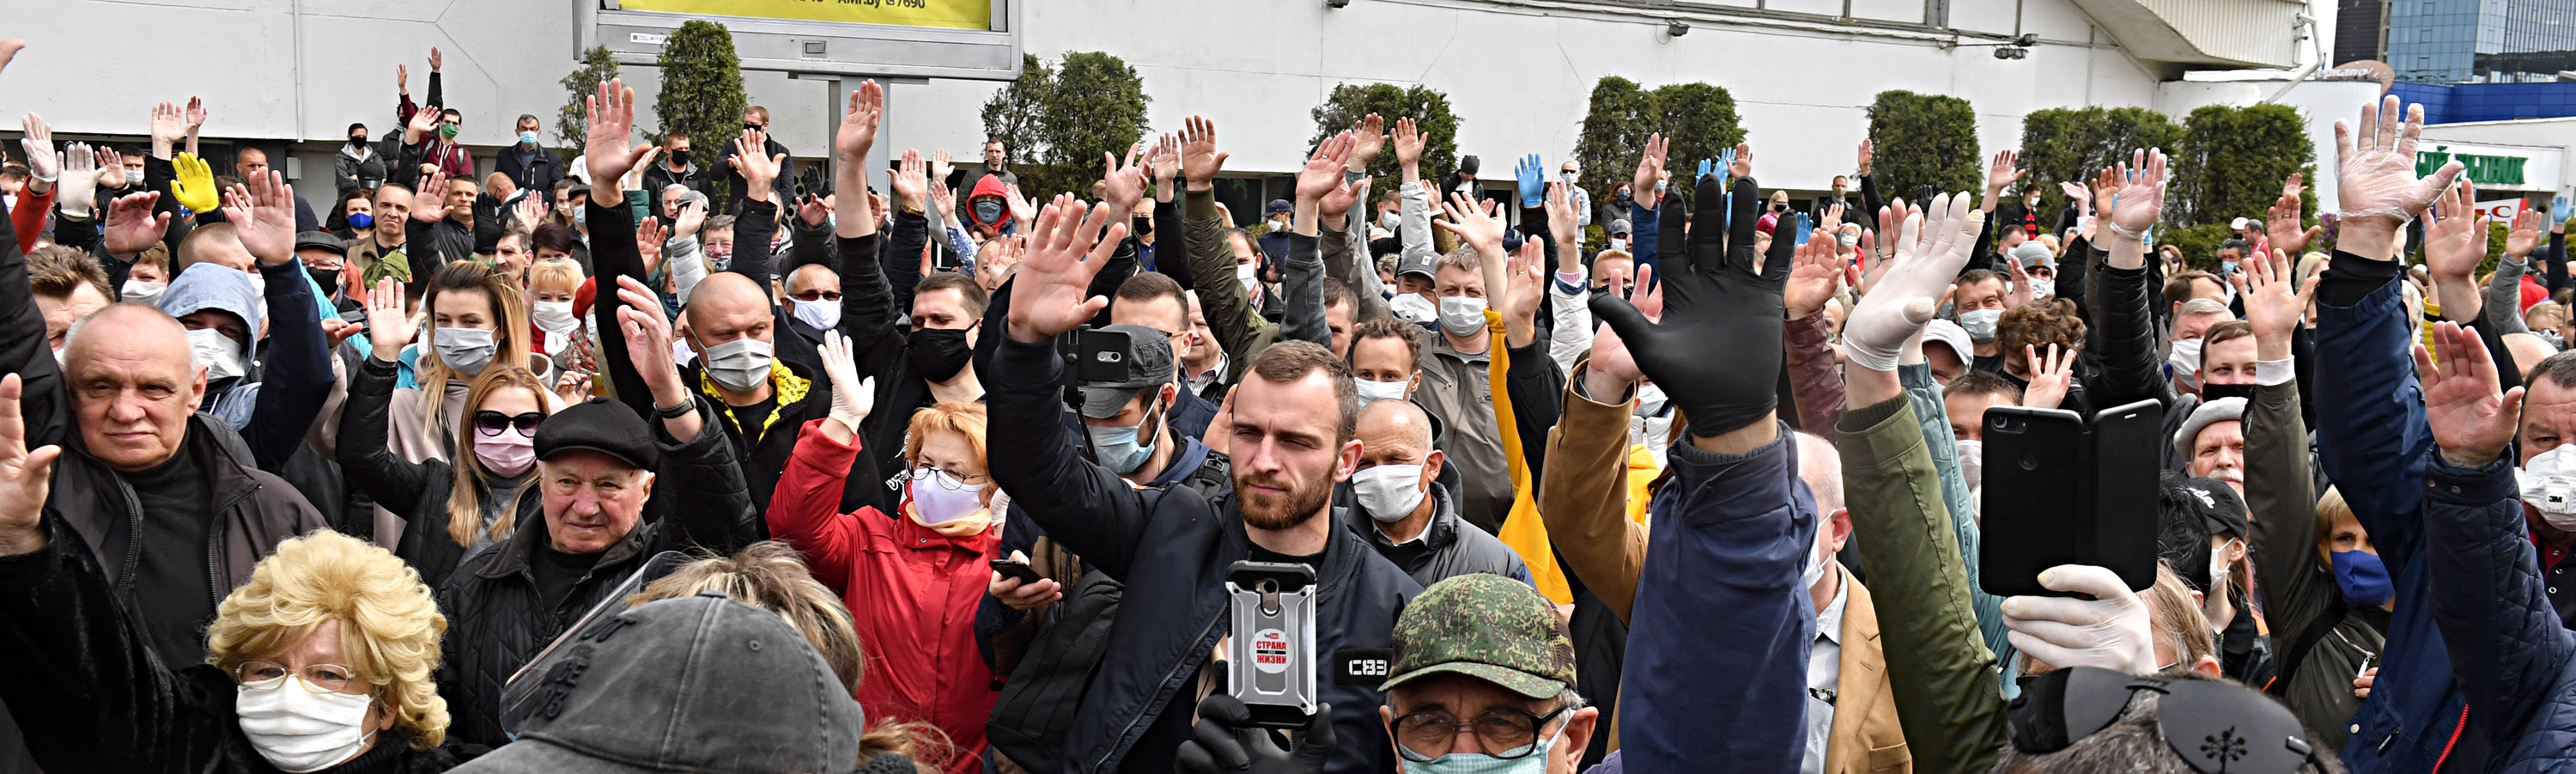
(652, 460)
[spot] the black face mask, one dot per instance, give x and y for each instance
(1779, 208)
(2210, 392)
(328, 279)
(357, 141)
(937, 354)
(680, 158)
(754, 127)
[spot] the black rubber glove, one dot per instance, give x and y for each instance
(1716, 352)
(1225, 740)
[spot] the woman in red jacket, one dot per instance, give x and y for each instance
(912, 580)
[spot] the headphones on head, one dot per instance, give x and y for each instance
(2216, 727)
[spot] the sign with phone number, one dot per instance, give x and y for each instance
(950, 14)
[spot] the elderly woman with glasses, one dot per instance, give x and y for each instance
(322, 662)
(911, 580)
(478, 494)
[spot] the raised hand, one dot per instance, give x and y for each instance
(2077, 193)
(1999, 175)
(2019, 279)
(1323, 170)
(1650, 168)
(196, 114)
(1524, 286)
(430, 206)
(1561, 219)
(1336, 205)
(573, 387)
(167, 125)
(1166, 161)
(26, 475)
(609, 148)
(423, 125)
(911, 179)
(2273, 302)
(1932, 247)
(1613, 368)
(2111, 630)
(434, 59)
(852, 397)
(132, 226)
(1200, 160)
(1367, 138)
(1722, 324)
(693, 216)
(944, 201)
(1066, 250)
(1833, 219)
(2137, 194)
(76, 191)
(1023, 211)
(1408, 148)
(2050, 377)
(2524, 236)
(1477, 222)
(941, 165)
(267, 228)
(2470, 420)
(1125, 182)
(1530, 178)
(195, 184)
(2281, 224)
(530, 211)
(1814, 278)
(649, 238)
(759, 168)
(2375, 178)
(859, 123)
(648, 340)
(42, 165)
(336, 330)
(402, 78)
(814, 210)
(111, 167)
(1738, 160)
(1866, 155)
(389, 327)
(2455, 235)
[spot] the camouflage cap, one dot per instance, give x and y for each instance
(1488, 627)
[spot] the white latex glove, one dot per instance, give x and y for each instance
(39, 144)
(2112, 630)
(852, 397)
(1934, 245)
(77, 191)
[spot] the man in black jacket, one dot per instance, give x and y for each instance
(1172, 547)
(755, 119)
(528, 164)
(674, 168)
(1404, 510)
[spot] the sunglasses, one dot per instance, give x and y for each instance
(817, 295)
(493, 422)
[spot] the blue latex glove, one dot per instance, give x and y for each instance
(1709, 166)
(2559, 210)
(1532, 174)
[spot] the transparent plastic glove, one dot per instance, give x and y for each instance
(2112, 630)
(2375, 164)
(1932, 246)
(195, 186)
(852, 397)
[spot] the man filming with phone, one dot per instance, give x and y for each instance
(1292, 434)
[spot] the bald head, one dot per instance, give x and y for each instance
(2528, 350)
(133, 385)
(1820, 465)
(128, 328)
(723, 294)
(1394, 432)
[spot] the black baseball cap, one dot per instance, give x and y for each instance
(1148, 364)
(321, 240)
(599, 425)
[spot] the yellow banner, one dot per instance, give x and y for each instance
(951, 14)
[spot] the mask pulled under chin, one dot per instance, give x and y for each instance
(299, 730)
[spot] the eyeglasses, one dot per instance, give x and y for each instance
(316, 678)
(946, 480)
(493, 422)
(1505, 733)
(816, 295)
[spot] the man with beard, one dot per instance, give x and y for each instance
(1293, 435)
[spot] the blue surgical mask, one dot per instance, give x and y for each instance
(2363, 578)
(1116, 448)
(361, 221)
(527, 138)
(1480, 763)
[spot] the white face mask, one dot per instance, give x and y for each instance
(467, 350)
(259, 285)
(739, 365)
(141, 292)
(1389, 492)
(2218, 564)
(2548, 485)
(2043, 288)
(299, 730)
(1650, 400)
(218, 353)
(553, 316)
(822, 314)
(1816, 557)
(1460, 315)
(2185, 361)
(1980, 323)
(1376, 391)
(1972, 461)
(1413, 308)
(1619, 244)
(681, 353)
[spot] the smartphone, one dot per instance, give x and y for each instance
(1101, 356)
(1016, 569)
(1270, 658)
(2062, 489)
(526, 693)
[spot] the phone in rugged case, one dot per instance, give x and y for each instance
(2059, 489)
(1270, 661)
(526, 693)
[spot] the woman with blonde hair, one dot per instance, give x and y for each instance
(471, 316)
(911, 581)
(769, 575)
(322, 661)
(449, 507)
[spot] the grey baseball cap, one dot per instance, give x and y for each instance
(1419, 262)
(1148, 364)
(695, 684)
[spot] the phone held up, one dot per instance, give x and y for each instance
(2062, 488)
(1270, 658)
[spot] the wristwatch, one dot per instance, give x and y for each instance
(688, 403)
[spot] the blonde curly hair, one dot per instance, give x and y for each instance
(389, 623)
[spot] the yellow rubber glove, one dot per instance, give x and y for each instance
(195, 186)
